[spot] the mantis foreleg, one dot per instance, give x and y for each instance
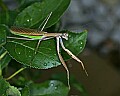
(62, 61)
(72, 55)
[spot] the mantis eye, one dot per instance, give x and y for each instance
(65, 36)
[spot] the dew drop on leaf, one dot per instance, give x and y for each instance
(30, 56)
(28, 20)
(52, 84)
(45, 64)
(29, 51)
(19, 53)
(81, 43)
(69, 36)
(80, 47)
(56, 87)
(2, 40)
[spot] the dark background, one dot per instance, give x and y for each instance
(102, 53)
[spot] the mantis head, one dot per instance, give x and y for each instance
(65, 36)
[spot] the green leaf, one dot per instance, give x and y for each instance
(36, 13)
(73, 82)
(24, 51)
(8, 17)
(25, 91)
(4, 17)
(48, 88)
(4, 58)
(13, 91)
(80, 88)
(3, 31)
(24, 3)
(3, 86)
(7, 90)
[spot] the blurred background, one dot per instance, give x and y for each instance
(101, 55)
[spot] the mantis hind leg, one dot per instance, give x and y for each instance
(63, 62)
(72, 55)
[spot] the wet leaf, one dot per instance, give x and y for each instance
(7, 90)
(48, 88)
(3, 31)
(8, 17)
(13, 91)
(36, 13)
(24, 3)
(73, 82)
(24, 51)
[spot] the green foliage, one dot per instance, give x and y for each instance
(77, 85)
(23, 51)
(48, 88)
(4, 58)
(3, 86)
(2, 35)
(36, 13)
(13, 91)
(7, 90)
(30, 14)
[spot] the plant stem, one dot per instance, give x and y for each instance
(21, 69)
(3, 55)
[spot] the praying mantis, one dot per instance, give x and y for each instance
(40, 35)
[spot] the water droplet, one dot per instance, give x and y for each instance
(45, 64)
(2, 40)
(29, 51)
(28, 20)
(80, 47)
(81, 43)
(69, 36)
(56, 87)
(19, 53)
(30, 56)
(52, 84)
